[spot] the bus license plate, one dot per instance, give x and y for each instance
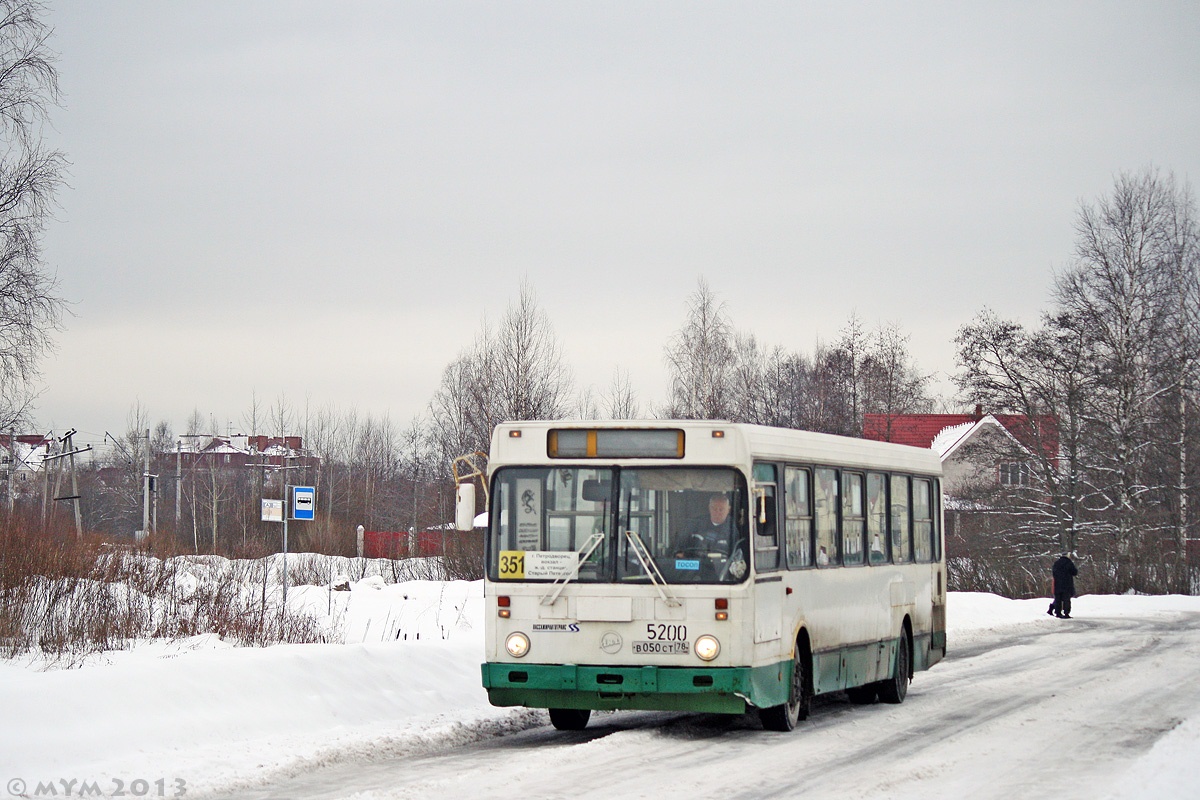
(660, 648)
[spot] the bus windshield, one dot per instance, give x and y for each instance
(580, 523)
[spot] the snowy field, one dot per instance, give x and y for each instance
(1025, 706)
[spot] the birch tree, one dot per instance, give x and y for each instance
(30, 173)
(1121, 292)
(515, 371)
(700, 360)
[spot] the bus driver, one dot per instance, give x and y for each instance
(714, 535)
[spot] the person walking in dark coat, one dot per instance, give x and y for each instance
(1064, 572)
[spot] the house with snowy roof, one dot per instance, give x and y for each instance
(987, 449)
(235, 452)
(22, 455)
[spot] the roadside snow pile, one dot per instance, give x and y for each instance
(205, 712)
(1157, 774)
(123, 598)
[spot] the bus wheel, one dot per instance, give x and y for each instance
(895, 688)
(569, 719)
(785, 717)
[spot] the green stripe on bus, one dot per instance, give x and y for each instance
(714, 689)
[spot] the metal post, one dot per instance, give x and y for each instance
(285, 542)
(178, 484)
(75, 487)
(146, 488)
(12, 470)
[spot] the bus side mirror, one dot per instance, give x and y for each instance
(464, 506)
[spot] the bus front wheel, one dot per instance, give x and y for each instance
(570, 719)
(784, 718)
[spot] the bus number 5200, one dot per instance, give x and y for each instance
(666, 633)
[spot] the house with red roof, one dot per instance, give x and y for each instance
(975, 448)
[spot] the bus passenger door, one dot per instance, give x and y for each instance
(937, 643)
(768, 607)
(768, 580)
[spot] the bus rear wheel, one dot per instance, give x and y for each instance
(895, 688)
(784, 718)
(570, 719)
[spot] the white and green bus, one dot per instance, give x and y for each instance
(707, 566)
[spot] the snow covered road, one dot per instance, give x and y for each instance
(1046, 708)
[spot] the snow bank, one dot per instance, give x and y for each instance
(1161, 772)
(172, 710)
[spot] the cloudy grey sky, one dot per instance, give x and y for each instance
(322, 200)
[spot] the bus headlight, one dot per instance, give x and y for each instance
(707, 647)
(517, 644)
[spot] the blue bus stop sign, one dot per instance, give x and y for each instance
(304, 502)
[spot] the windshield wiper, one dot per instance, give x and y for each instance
(651, 569)
(565, 576)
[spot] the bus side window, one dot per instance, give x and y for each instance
(765, 518)
(922, 521)
(937, 520)
(901, 532)
(852, 518)
(825, 498)
(877, 538)
(799, 519)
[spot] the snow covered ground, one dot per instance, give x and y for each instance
(397, 711)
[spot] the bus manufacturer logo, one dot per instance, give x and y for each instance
(611, 642)
(556, 627)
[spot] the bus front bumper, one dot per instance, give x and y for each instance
(721, 690)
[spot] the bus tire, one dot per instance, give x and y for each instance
(784, 718)
(895, 688)
(570, 719)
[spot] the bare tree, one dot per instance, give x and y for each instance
(515, 372)
(29, 175)
(1113, 364)
(530, 379)
(621, 401)
(460, 413)
(1121, 290)
(586, 404)
(700, 359)
(893, 383)
(1037, 374)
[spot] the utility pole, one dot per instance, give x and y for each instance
(12, 470)
(46, 483)
(74, 484)
(178, 484)
(67, 450)
(146, 488)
